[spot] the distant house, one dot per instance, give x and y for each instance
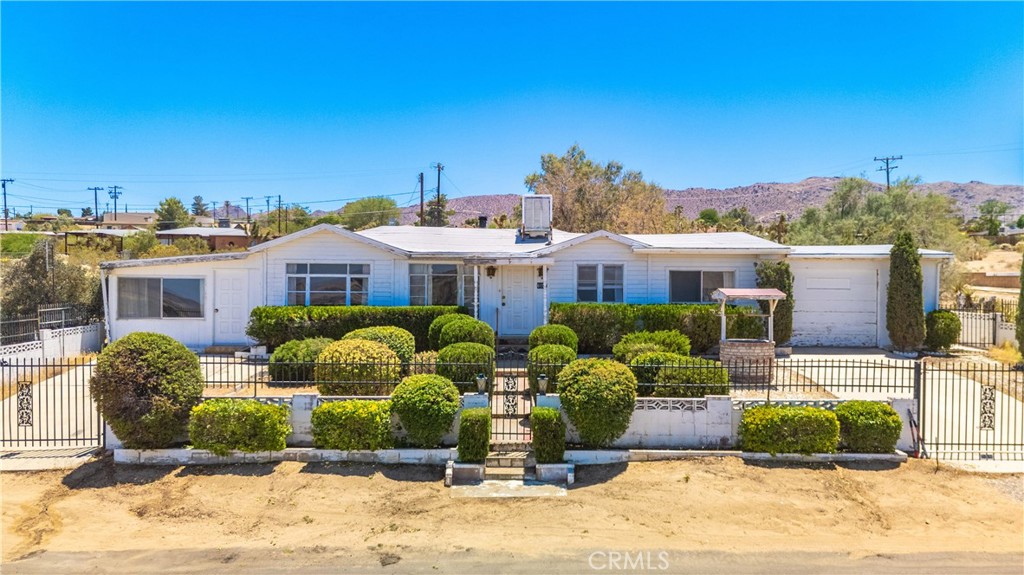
(216, 238)
(12, 225)
(127, 220)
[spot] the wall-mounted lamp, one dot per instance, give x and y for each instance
(491, 270)
(481, 383)
(540, 272)
(542, 383)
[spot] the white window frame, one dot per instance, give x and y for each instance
(202, 297)
(464, 272)
(308, 275)
(600, 280)
(700, 289)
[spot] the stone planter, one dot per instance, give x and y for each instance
(749, 361)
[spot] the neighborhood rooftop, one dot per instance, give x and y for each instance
(873, 251)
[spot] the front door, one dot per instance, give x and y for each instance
(230, 306)
(518, 300)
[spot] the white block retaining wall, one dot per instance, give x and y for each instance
(57, 344)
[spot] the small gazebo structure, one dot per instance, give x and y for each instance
(749, 361)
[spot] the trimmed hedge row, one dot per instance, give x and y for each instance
(466, 331)
(692, 377)
(286, 363)
(397, 339)
(554, 334)
(275, 325)
(474, 434)
(356, 367)
(601, 325)
(224, 425)
(462, 362)
(353, 424)
(789, 429)
(548, 434)
(434, 331)
(668, 340)
(868, 426)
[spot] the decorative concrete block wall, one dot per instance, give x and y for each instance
(56, 344)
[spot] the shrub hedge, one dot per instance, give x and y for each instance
(692, 377)
(294, 353)
(548, 434)
(668, 340)
(474, 434)
(549, 359)
(398, 340)
(598, 396)
(274, 325)
(353, 424)
(423, 362)
(434, 331)
(868, 426)
(462, 362)
(601, 325)
(145, 385)
(942, 329)
(788, 429)
(466, 331)
(645, 367)
(223, 425)
(356, 367)
(426, 406)
(556, 334)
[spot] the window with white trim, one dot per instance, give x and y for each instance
(441, 284)
(328, 284)
(600, 283)
(139, 298)
(692, 286)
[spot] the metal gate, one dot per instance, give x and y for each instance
(511, 401)
(47, 404)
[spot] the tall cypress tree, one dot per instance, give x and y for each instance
(778, 275)
(904, 310)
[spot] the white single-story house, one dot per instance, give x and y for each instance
(505, 277)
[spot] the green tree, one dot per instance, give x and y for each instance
(86, 212)
(437, 212)
(991, 211)
(741, 218)
(333, 219)
(369, 213)
(199, 207)
(46, 277)
(65, 212)
(904, 308)
(709, 216)
(171, 213)
(1020, 222)
(778, 275)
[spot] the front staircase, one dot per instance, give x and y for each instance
(510, 462)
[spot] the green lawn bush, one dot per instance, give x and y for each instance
(942, 330)
(474, 434)
(274, 325)
(397, 339)
(645, 367)
(692, 377)
(286, 363)
(357, 367)
(462, 362)
(423, 362)
(426, 406)
(598, 396)
(668, 340)
(225, 425)
(868, 426)
(354, 424)
(466, 331)
(145, 386)
(789, 429)
(554, 334)
(548, 434)
(549, 359)
(434, 332)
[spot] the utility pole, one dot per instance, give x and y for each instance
(248, 215)
(114, 194)
(422, 223)
(279, 214)
(887, 167)
(3, 182)
(227, 211)
(96, 202)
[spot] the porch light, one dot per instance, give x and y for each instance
(540, 272)
(542, 383)
(491, 270)
(481, 383)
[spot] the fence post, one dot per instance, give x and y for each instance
(918, 377)
(996, 318)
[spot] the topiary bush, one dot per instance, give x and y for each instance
(667, 340)
(692, 377)
(904, 312)
(434, 333)
(868, 426)
(789, 429)
(357, 367)
(554, 334)
(225, 425)
(778, 275)
(549, 359)
(645, 367)
(397, 339)
(354, 424)
(287, 363)
(942, 330)
(426, 405)
(598, 396)
(548, 429)
(423, 362)
(462, 362)
(474, 434)
(145, 385)
(466, 331)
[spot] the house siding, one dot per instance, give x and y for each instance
(562, 280)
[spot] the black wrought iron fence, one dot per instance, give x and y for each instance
(47, 404)
(18, 329)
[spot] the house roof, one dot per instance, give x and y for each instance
(759, 294)
(721, 242)
(103, 232)
(857, 252)
(462, 242)
(129, 218)
(203, 232)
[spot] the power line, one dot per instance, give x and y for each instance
(888, 168)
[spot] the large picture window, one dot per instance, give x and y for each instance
(441, 284)
(600, 283)
(697, 286)
(139, 298)
(328, 284)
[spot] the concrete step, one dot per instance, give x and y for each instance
(507, 473)
(510, 459)
(511, 446)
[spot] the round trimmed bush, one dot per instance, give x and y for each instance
(549, 359)
(645, 367)
(353, 424)
(223, 425)
(942, 329)
(423, 362)
(632, 351)
(554, 334)
(692, 377)
(466, 331)
(462, 362)
(426, 406)
(286, 363)
(145, 385)
(474, 434)
(789, 429)
(356, 367)
(598, 396)
(434, 332)
(397, 339)
(868, 426)
(669, 340)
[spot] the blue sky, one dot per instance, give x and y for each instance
(323, 102)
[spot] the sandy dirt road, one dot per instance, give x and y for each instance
(706, 516)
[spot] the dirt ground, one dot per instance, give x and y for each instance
(996, 261)
(383, 515)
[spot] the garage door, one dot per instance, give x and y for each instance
(836, 303)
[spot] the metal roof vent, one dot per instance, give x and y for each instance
(537, 215)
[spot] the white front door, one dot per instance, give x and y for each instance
(518, 300)
(230, 306)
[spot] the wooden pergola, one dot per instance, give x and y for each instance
(770, 295)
